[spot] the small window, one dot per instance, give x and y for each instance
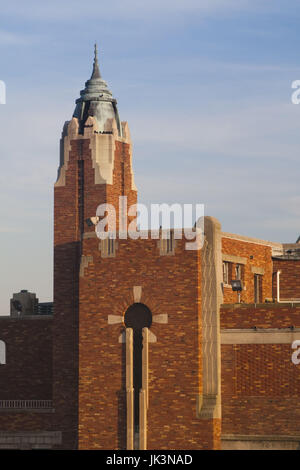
(257, 288)
(2, 353)
(239, 272)
(167, 243)
(108, 247)
(227, 272)
(170, 243)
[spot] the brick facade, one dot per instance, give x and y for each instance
(170, 286)
(260, 383)
(289, 278)
(27, 375)
(77, 197)
(271, 315)
(197, 349)
(254, 256)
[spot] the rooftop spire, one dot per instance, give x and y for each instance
(96, 71)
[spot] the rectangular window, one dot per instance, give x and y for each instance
(227, 272)
(2, 352)
(167, 243)
(111, 246)
(239, 272)
(170, 242)
(257, 288)
(108, 247)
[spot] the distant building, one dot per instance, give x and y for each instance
(23, 303)
(26, 303)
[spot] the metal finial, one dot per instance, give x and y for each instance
(96, 71)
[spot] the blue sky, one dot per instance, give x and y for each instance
(205, 87)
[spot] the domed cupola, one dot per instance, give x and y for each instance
(96, 100)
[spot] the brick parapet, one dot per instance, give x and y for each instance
(267, 315)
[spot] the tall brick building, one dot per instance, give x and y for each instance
(149, 346)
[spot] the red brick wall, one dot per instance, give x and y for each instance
(27, 374)
(260, 383)
(289, 278)
(258, 256)
(262, 316)
(65, 328)
(74, 202)
(260, 390)
(170, 285)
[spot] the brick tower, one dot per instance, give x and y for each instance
(95, 167)
(136, 331)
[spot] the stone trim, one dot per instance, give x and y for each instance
(129, 389)
(262, 305)
(259, 442)
(152, 338)
(84, 263)
(160, 318)
(143, 420)
(102, 147)
(26, 317)
(122, 337)
(257, 270)
(87, 235)
(260, 336)
(256, 241)
(104, 248)
(114, 319)
(256, 437)
(137, 293)
(30, 439)
(145, 362)
(164, 243)
(144, 392)
(209, 403)
(234, 259)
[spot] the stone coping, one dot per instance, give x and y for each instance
(26, 317)
(256, 437)
(258, 241)
(266, 305)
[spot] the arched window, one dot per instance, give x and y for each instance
(137, 317)
(2, 352)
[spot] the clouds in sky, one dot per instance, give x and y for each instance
(115, 9)
(205, 87)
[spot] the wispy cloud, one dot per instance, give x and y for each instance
(8, 38)
(254, 131)
(129, 9)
